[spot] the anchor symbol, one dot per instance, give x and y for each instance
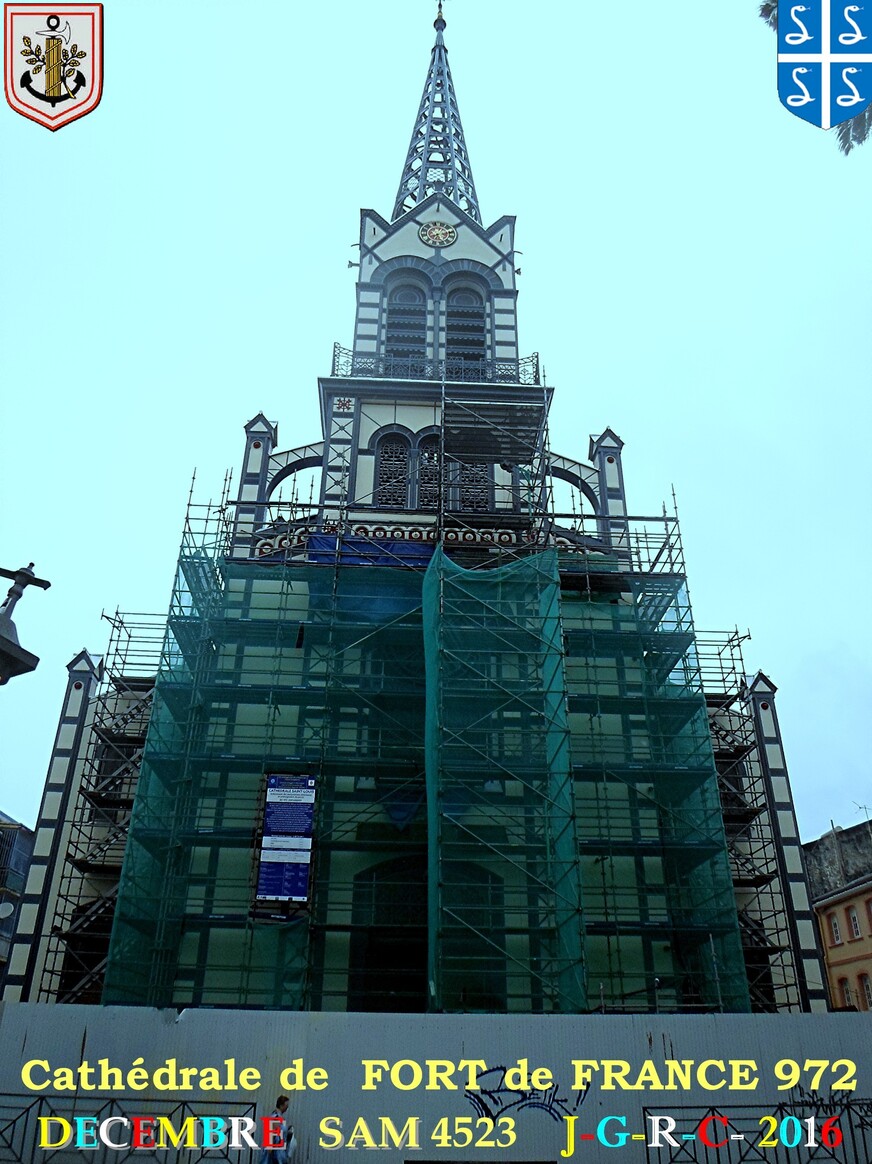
(78, 82)
(53, 23)
(54, 40)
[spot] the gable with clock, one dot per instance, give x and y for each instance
(437, 250)
(435, 327)
(438, 234)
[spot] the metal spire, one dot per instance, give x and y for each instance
(437, 160)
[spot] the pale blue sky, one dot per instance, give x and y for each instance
(696, 274)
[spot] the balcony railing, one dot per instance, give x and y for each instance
(457, 369)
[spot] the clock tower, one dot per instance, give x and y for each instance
(435, 337)
(432, 729)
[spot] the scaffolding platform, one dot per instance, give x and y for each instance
(517, 798)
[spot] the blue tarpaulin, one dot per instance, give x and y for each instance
(367, 552)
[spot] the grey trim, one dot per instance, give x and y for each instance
(46, 900)
(582, 486)
(802, 952)
(289, 470)
(389, 429)
(438, 274)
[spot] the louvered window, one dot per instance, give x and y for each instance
(392, 472)
(474, 487)
(406, 324)
(428, 473)
(465, 327)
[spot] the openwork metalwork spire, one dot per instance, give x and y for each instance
(437, 160)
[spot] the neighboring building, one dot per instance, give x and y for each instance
(442, 738)
(16, 845)
(839, 866)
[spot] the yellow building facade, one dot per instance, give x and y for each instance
(840, 877)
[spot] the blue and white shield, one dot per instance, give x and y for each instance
(824, 60)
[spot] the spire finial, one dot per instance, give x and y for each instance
(437, 160)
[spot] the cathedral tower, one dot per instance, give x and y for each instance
(430, 729)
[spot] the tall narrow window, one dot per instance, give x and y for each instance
(428, 473)
(392, 472)
(866, 988)
(388, 942)
(835, 930)
(465, 343)
(406, 337)
(469, 486)
(845, 995)
(474, 487)
(853, 922)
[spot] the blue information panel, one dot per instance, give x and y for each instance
(286, 850)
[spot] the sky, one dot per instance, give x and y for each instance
(695, 274)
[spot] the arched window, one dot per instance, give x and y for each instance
(406, 332)
(465, 327)
(388, 947)
(853, 922)
(428, 473)
(846, 998)
(392, 471)
(472, 942)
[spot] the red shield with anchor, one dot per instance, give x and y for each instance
(53, 66)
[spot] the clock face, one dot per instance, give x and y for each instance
(438, 234)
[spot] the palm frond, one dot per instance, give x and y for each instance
(843, 134)
(854, 132)
(769, 13)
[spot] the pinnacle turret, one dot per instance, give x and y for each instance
(437, 161)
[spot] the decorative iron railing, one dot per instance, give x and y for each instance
(454, 370)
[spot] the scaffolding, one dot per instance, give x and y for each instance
(504, 886)
(762, 899)
(529, 823)
(306, 669)
(660, 920)
(78, 940)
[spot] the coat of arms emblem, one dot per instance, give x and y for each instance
(824, 60)
(53, 60)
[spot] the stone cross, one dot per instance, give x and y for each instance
(14, 659)
(21, 578)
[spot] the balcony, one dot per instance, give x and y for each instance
(457, 369)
